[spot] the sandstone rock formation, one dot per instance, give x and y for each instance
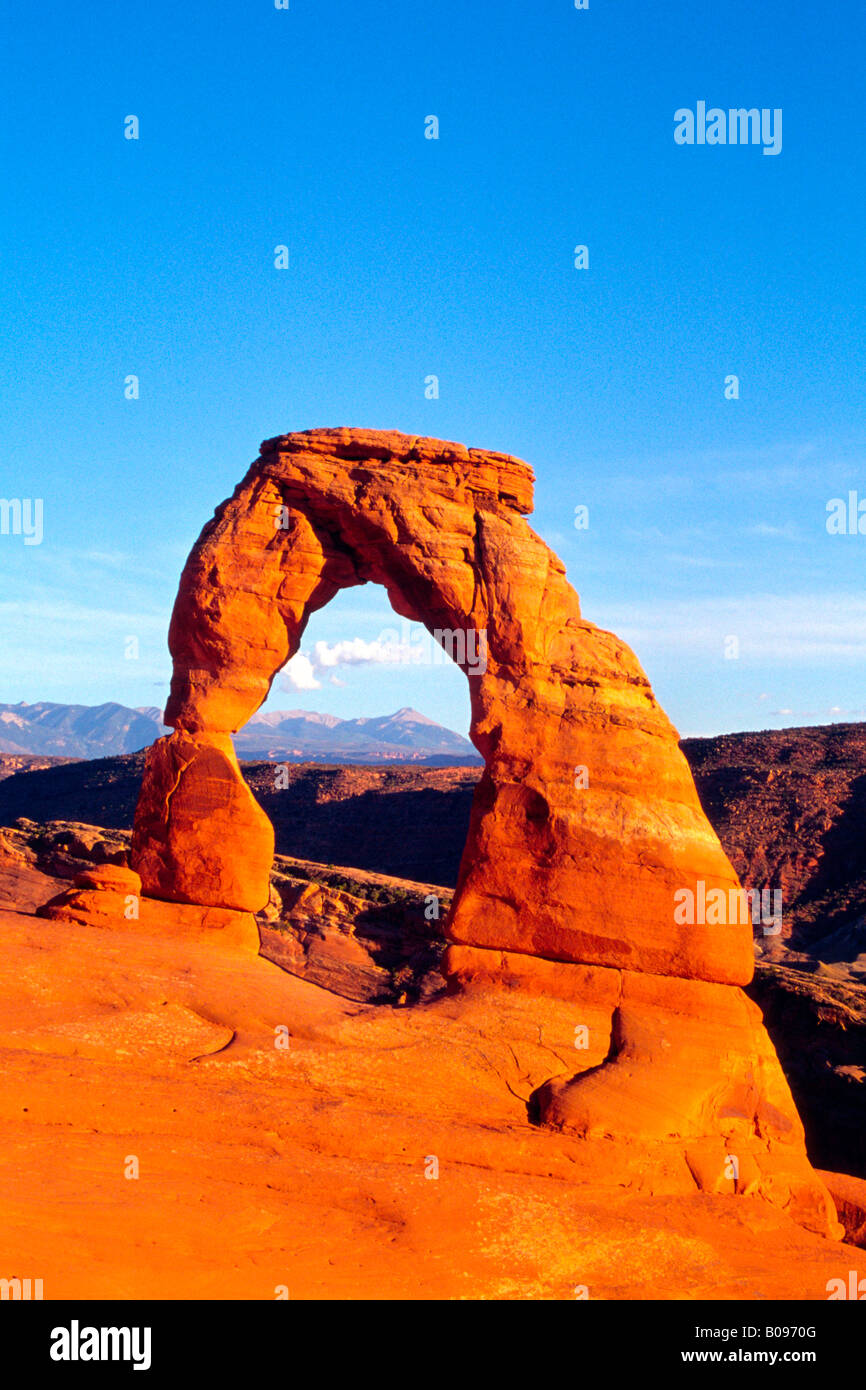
(585, 823)
(551, 867)
(366, 937)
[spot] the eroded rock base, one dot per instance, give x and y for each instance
(112, 898)
(667, 1062)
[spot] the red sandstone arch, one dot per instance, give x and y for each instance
(565, 890)
(550, 868)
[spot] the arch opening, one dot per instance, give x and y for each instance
(370, 812)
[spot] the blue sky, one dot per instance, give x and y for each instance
(411, 257)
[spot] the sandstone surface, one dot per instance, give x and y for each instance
(285, 1137)
(586, 830)
(368, 937)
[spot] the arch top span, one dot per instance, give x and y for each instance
(585, 823)
(480, 471)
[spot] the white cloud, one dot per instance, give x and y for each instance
(390, 648)
(299, 674)
(354, 651)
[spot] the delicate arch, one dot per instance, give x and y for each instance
(552, 867)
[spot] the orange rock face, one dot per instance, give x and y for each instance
(304, 1165)
(195, 779)
(586, 821)
(586, 832)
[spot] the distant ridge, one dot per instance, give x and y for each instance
(76, 731)
(104, 731)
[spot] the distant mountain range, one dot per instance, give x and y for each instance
(303, 736)
(77, 731)
(103, 731)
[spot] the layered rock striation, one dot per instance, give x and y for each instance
(586, 831)
(586, 820)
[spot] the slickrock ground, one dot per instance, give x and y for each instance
(374, 938)
(304, 1166)
(786, 807)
